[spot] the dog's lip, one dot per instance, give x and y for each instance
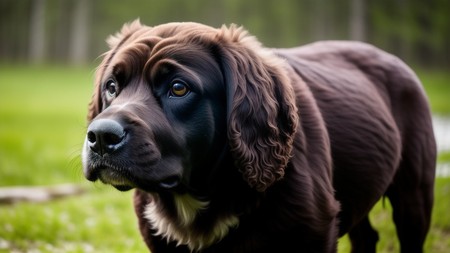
(122, 180)
(114, 177)
(111, 175)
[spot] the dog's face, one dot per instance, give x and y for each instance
(168, 103)
(162, 114)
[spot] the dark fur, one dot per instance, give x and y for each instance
(275, 150)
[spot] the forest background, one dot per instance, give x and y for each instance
(73, 31)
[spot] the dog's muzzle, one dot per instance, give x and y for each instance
(104, 158)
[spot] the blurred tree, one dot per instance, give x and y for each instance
(358, 20)
(36, 41)
(319, 19)
(74, 31)
(61, 33)
(78, 44)
(14, 29)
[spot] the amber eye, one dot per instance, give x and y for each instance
(178, 89)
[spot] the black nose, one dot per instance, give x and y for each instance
(105, 136)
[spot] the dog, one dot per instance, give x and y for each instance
(234, 147)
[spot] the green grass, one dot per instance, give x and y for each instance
(437, 86)
(42, 127)
(42, 112)
(100, 221)
(444, 157)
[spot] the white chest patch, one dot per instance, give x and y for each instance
(182, 230)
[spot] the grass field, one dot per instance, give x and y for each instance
(42, 127)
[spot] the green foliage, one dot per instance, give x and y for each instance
(444, 157)
(415, 30)
(42, 128)
(437, 86)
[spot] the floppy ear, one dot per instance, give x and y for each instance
(262, 115)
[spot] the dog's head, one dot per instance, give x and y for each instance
(170, 100)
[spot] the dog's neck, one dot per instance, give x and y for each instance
(182, 227)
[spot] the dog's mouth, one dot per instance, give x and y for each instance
(123, 180)
(116, 177)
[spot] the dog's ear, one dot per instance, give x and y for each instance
(115, 42)
(262, 114)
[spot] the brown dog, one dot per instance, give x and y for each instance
(233, 147)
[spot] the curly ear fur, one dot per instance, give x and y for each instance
(262, 115)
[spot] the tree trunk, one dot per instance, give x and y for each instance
(78, 48)
(319, 19)
(36, 43)
(358, 20)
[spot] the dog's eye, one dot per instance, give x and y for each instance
(111, 89)
(178, 89)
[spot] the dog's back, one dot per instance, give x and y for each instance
(380, 129)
